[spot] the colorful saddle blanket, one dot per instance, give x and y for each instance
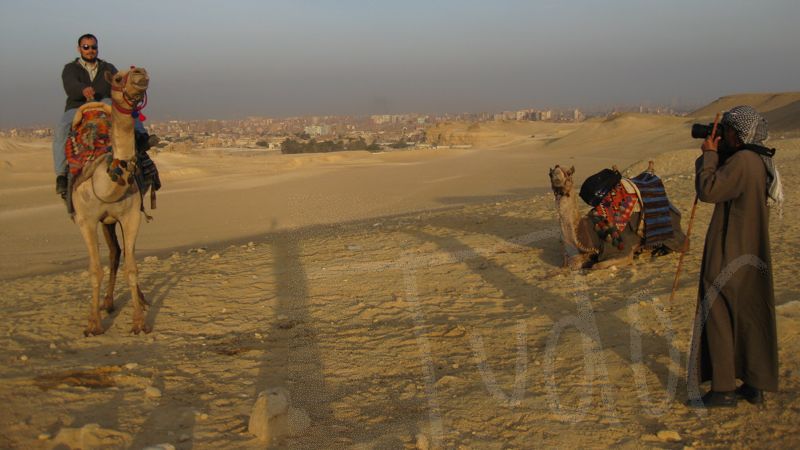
(89, 141)
(655, 209)
(612, 215)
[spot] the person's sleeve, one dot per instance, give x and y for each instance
(107, 67)
(718, 184)
(72, 85)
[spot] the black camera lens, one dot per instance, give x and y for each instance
(700, 131)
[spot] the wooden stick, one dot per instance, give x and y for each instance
(711, 138)
(683, 252)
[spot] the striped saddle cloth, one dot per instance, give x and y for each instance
(655, 209)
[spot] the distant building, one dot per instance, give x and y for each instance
(317, 130)
(381, 119)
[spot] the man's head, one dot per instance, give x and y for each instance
(87, 47)
(744, 125)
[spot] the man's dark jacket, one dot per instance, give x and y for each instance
(76, 78)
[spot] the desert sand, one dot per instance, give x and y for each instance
(409, 299)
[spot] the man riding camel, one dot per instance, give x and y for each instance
(84, 82)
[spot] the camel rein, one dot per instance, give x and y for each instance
(136, 106)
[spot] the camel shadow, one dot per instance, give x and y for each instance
(519, 292)
(295, 358)
(551, 250)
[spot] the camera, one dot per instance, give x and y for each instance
(700, 131)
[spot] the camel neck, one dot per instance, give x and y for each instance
(122, 135)
(568, 218)
(568, 209)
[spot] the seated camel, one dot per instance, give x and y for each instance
(581, 233)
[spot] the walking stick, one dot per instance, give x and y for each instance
(683, 252)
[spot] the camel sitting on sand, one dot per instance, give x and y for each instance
(105, 192)
(583, 248)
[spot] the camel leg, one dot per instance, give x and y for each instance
(619, 262)
(143, 300)
(576, 261)
(130, 228)
(89, 233)
(110, 233)
(624, 260)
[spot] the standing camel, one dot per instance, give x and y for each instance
(106, 193)
(582, 246)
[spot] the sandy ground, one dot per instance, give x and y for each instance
(404, 299)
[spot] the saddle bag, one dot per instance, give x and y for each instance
(598, 185)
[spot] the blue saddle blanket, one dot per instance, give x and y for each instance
(655, 209)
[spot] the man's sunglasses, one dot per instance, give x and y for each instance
(87, 47)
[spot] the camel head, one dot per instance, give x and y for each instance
(128, 89)
(561, 180)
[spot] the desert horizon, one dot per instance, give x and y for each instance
(400, 299)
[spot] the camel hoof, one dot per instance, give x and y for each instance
(138, 328)
(93, 331)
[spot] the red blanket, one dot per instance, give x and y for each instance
(89, 141)
(612, 215)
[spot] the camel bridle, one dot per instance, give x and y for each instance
(560, 190)
(134, 104)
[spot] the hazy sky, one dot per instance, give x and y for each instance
(234, 58)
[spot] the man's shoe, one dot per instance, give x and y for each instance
(153, 140)
(145, 141)
(752, 395)
(714, 399)
(61, 185)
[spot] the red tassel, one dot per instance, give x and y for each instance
(142, 117)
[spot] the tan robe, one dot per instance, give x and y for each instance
(737, 269)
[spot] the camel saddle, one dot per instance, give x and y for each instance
(90, 136)
(89, 141)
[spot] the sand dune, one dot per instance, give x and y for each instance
(783, 121)
(780, 109)
(626, 136)
(400, 298)
(495, 134)
(764, 102)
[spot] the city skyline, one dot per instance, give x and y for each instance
(279, 59)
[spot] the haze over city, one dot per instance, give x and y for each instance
(241, 58)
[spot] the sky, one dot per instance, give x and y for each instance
(237, 58)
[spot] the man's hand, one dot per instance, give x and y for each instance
(712, 141)
(88, 92)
